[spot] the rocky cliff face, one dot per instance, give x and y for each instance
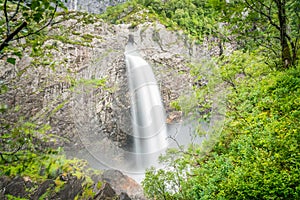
(63, 88)
(105, 113)
(92, 6)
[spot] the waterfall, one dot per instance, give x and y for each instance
(148, 113)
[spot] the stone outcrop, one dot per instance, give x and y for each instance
(106, 192)
(123, 184)
(23, 187)
(113, 188)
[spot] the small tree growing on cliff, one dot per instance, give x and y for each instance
(23, 18)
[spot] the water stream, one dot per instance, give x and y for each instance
(148, 113)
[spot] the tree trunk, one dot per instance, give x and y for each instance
(286, 57)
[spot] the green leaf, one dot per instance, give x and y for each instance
(11, 60)
(18, 53)
(37, 17)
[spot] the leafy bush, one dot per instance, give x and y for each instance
(257, 155)
(52, 165)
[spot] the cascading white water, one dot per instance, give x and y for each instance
(148, 113)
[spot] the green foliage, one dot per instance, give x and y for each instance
(257, 154)
(24, 149)
(3, 90)
(196, 18)
(22, 19)
(92, 82)
(175, 105)
(272, 24)
(19, 141)
(52, 165)
(11, 197)
(160, 184)
(11, 60)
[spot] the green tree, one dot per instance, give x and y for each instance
(256, 155)
(272, 23)
(23, 18)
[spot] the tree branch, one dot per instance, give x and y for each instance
(16, 11)
(11, 153)
(6, 18)
(2, 154)
(42, 28)
(264, 14)
(181, 149)
(270, 10)
(12, 35)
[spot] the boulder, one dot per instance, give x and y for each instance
(15, 187)
(124, 196)
(71, 189)
(105, 193)
(43, 188)
(122, 184)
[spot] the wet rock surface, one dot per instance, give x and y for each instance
(42, 189)
(106, 192)
(115, 185)
(23, 187)
(123, 185)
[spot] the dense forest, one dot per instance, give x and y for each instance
(255, 155)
